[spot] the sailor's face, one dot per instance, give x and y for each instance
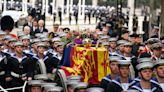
(11, 44)
(19, 49)
(160, 71)
(121, 48)
(126, 36)
(26, 42)
(70, 89)
(34, 46)
(113, 44)
(146, 74)
(114, 67)
(36, 89)
(127, 49)
(60, 49)
(41, 49)
(124, 71)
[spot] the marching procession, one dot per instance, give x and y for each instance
(108, 58)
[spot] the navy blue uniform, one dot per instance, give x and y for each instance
(154, 87)
(104, 82)
(3, 69)
(18, 69)
(115, 85)
(50, 62)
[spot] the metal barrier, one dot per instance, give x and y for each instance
(9, 89)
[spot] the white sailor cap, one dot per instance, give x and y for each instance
(120, 42)
(38, 35)
(113, 39)
(12, 39)
(43, 35)
(62, 34)
(108, 24)
(114, 58)
(72, 83)
(7, 37)
(74, 78)
(132, 90)
(124, 62)
(48, 85)
(56, 39)
(104, 37)
(128, 44)
(159, 63)
(145, 65)
(41, 44)
(41, 77)
(95, 89)
(145, 59)
(18, 43)
(20, 33)
(54, 89)
(25, 37)
(45, 39)
(60, 43)
(81, 85)
(99, 33)
(36, 40)
(105, 43)
(35, 82)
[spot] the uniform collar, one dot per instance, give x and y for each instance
(118, 81)
(23, 56)
(113, 53)
(44, 57)
(155, 81)
(108, 78)
(135, 81)
(118, 51)
(138, 87)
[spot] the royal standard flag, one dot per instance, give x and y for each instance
(100, 64)
(91, 63)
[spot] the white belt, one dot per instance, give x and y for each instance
(17, 75)
(2, 73)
